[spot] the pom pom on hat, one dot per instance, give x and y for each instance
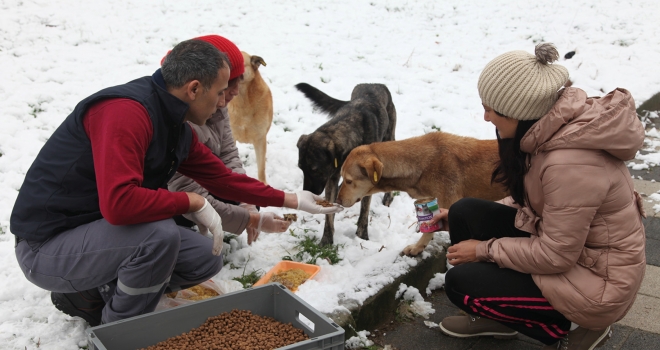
(523, 86)
(227, 47)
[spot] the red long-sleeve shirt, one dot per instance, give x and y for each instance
(120, 132)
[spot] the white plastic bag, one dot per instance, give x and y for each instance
(201, 291)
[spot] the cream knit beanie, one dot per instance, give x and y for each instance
(523, 86)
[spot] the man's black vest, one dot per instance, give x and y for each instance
(59, 191)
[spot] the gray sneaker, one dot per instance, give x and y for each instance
(581, 339)
(475, 326)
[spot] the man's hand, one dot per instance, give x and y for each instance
(463, 252)
(271, 223)
(208, 218)
(196, 202)
(307, 201)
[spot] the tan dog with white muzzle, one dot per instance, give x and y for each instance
(440, 165)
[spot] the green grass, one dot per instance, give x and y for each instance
(228, 237)
(251, 278)
(309, 249)
(36, 109)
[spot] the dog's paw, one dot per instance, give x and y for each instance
(413, 249)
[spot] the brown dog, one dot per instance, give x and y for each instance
(440, 165)
(251, 112)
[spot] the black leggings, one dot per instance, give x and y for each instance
(484, 289)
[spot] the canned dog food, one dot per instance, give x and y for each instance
(425, 209)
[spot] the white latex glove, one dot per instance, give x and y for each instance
(252, 232)
(307, 202)
(207, 219)
(271, 223)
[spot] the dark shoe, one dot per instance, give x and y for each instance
(475, 326)
(582, 339)
(87, 305)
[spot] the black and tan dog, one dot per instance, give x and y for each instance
(368, 117)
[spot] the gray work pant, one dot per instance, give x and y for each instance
(132, 265)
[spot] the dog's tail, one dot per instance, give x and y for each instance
(320, 100)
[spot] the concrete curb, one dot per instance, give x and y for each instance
(383, 304)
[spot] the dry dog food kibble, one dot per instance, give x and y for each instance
(324, 203)
(290, 278)
(290, 217)
(235, 330)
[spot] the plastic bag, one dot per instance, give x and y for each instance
(201, 291)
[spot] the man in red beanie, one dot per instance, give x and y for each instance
(216, 135)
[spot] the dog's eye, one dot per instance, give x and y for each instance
(348, 182)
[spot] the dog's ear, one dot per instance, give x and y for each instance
(374, 169)
(302, 140)
(255, 61)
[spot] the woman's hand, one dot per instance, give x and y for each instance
(271, 223)
(442, 216)
(463, 252)
(252, 231)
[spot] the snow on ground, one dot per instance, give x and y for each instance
(429, 54)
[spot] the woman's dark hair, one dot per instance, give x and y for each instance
(512, 167)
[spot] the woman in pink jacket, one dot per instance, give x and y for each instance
(562, 258)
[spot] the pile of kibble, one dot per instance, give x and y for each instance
(237, 330)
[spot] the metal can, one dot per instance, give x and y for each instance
(425, 209)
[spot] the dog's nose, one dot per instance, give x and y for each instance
(358, 199)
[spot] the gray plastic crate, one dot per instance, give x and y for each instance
(272, 300)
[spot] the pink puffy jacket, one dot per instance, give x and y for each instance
(586, 250)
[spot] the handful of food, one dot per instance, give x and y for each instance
(290, 217)
(324, 203)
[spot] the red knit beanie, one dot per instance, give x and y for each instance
(228, 48)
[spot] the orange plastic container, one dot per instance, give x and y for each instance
(288, 265)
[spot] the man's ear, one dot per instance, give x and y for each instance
(374, 169)
(193, 89)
